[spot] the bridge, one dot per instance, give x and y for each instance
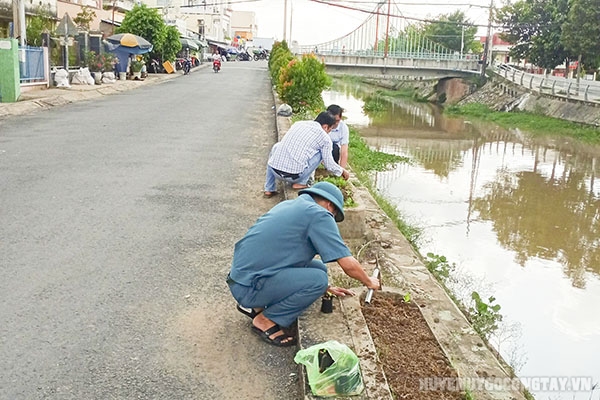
(387, 43)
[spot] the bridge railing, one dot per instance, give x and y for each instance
(585, 90)
(392, 54)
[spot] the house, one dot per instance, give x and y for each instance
(499, 49)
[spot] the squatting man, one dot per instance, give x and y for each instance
(274, 274)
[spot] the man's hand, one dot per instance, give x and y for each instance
(374, 284)
(345, 174)
(339, 292)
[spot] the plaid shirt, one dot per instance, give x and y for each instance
(301, 142)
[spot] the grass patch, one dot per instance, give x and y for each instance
(536, 124)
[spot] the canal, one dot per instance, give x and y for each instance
(519, 216)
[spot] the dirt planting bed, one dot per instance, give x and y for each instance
(406, 347)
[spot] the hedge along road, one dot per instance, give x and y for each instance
(118, 221)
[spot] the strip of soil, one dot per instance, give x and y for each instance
(406, 347)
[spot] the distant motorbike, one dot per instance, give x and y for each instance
(216, 65)
(260, 55)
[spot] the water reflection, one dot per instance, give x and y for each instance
(519, 212)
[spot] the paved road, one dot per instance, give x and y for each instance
(118, 220)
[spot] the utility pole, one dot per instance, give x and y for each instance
(377, 30)
(19, 26)
(285, 20)
(387, 31)
(488, 39)
(462, 40)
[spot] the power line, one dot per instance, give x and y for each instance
(377, 12)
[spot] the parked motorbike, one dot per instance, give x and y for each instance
(156, 67)
(216, 65)
(184, 64)
(261, 54)
(187, 66)
(244, 56)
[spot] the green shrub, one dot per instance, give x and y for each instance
(301, 83)
(279, 57)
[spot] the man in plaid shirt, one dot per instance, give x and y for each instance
(305, 145)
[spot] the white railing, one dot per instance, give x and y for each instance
(568, 88)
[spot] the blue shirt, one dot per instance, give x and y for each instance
(288, 236)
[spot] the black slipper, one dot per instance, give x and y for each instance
(249, 312)
(277, 340)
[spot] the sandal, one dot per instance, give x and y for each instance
(268, 195)
(277, 340)
(300, 186)
(249, 312)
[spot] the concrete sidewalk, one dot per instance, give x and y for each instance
(42, 98)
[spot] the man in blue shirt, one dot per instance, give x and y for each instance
(274, 275)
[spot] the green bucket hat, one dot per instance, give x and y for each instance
(330, 192)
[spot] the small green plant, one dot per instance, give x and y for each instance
(484, 316)
(90, 60)
(136, 66)
(468, 395)
(342, 184)
(374, 104)
(406, 298)
(439, 266)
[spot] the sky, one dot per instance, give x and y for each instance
(311, 22)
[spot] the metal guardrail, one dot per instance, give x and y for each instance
(585, 90)
(392, 54)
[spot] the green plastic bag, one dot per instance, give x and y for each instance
(332, 368)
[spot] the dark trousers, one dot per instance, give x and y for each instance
(336, 153)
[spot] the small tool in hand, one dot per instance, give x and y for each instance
(376, 274)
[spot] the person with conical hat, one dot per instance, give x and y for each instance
(274, 274)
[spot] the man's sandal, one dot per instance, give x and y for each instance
(277, 340)
(249, 312)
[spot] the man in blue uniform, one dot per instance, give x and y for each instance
(274, 275)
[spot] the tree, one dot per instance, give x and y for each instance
(39, 23)
(581, 31)
(148, 23)
(534, 27)
(85, 17)
(172, 44)
(301, 83)
(453, 31)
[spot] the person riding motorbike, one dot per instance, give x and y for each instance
(216, 61)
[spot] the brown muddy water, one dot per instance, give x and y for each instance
(518, 216)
